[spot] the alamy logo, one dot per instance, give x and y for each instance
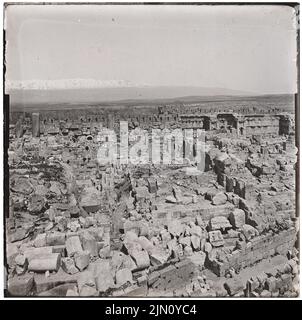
(158, 146)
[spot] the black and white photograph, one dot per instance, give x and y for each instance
(151, 150)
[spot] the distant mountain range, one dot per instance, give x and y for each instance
(78, 91)
(63, 84)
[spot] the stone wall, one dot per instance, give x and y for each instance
(257, 249)
(207, 212)
(173, 276)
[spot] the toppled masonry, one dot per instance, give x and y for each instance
(78, 228)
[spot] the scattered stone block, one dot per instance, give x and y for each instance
(55, 238)
(158, 257)
(40, 240)
(196, 230)
(188, 251)
(123, 276)
(81, 259)
(45, 262)
(176, 228)
(69, 266)
(72, 292)
(271, 284)
(207, 247)
(216, 238)
(185, 241)
(141, 259)
(43, 283)
(146, 244)
(234, 286)
(195, 241)
(88, 291)
(21, 286)
(104, 281)
(265, 294)
(198, 259)
(237, 218)
(59, 249)
(89, 243)
(31, 253)
(249, 231)
(58, 291)
(220, 223)
(73, 245)
(219, 199)
(104, 252)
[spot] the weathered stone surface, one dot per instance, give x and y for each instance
(165, 236)
(21, 286)
(36, 204)
(40, 240)
(20, 234)
(89, 243)
(45, 262)
(120, 261)
(104, 281)
(143, 229)
(21, 260)
(249, 231)
(146, 244)
(55, 238)
(31, 252)
(220, 223)
(59, 291)
(219, 199)
(88, 291)
(123, 276)
(81, 259)
(69, 266)
(104, 252)
(196, 230)
(188, 251)
(74, 211)
(73, 226)
(21, 264)
(185, 241)
(141, 258)
(177, 193)
(198, 258)
(237, 218)
(91, 199)
(216, 238)
(73, 245)
(131, 242)
(43, 283)
(175, 227)
(72, 292)
(87, 277)
(159, 257)
(207, 247)
(170, 199)
(195, 241)
(199, 221)
(21, 185)
(234, 286)
(132, 226)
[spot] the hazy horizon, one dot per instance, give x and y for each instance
(244, 48)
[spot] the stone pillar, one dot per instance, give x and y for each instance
(19, 129)
(36, 124)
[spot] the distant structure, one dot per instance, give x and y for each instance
(36, 124)
(110, 121)
(19, 129)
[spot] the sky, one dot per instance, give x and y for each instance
(248, 48)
